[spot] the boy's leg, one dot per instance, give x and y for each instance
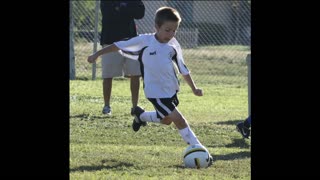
(163, 107)
(137, 122)
(150, 116)
(184, 129)
(167, 110)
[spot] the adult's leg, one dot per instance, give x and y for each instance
(111, 64)
(134, 87)
(131, 69)
(107, 87)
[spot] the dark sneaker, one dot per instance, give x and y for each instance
(106, 110)
(244, 131)
(136, 112)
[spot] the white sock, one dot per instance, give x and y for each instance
(149, 116)
(188, 136)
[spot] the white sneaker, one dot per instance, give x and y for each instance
(106, 110)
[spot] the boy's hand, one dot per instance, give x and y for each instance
(198, 92)
(92, 58)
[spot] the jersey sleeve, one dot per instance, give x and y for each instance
(179, 59)
(131, 47)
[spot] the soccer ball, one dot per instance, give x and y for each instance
(196, 156)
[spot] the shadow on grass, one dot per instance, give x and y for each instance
(105, 164)
(239, 143)
(91, 117)
(84, 78)
(230, 122)
(226, 157)
(232, 156)
(89, 78)
(177, 167)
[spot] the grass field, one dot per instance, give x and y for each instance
(208, 64)
(104, 147)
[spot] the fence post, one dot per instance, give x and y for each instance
(72, 72)
(249, 82)
(95, 43)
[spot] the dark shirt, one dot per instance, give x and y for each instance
(118, 20)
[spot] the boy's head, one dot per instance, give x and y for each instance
(167, 21)
(165, 14)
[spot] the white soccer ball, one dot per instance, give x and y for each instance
(196, 156)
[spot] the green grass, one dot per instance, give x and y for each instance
(104, 147)
(218, 65)
(107, 148)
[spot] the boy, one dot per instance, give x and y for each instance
(157, 53)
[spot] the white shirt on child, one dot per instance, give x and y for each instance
(158, 61)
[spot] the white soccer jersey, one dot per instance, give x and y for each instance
(157, 63)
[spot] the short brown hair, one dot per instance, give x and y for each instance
(164, 14)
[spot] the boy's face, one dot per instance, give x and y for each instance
(167, 31)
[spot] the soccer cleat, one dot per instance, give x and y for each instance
(244, 131)
(136, 112)
(106, 110)
(210, 161)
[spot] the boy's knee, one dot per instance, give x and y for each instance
(166, 121)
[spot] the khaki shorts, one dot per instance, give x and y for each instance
(114, 65)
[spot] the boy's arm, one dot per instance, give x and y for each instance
(195, 90)
(111, 48)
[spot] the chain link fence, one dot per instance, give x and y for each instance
(215, 37)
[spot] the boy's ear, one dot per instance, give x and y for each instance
(157, 27)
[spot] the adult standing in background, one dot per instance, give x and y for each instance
(118, 24)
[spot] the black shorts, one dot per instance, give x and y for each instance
(164, 106)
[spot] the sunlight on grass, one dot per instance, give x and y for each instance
(106, 147)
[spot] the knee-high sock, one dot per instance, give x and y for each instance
(150, 116)
(188, 136)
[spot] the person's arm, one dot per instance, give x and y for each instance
(195, 90)
(182, 68)
(111, 48)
